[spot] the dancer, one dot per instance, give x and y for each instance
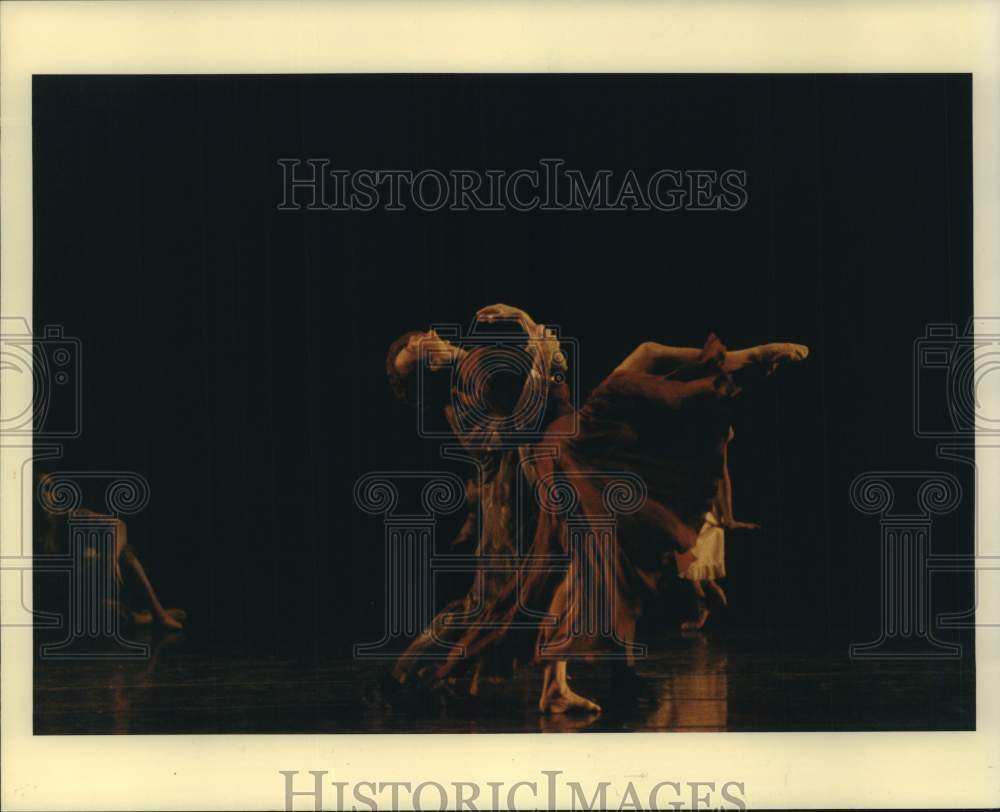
(128, 568)
(499, 446)
(710, 551)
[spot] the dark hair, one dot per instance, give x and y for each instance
(403, 386)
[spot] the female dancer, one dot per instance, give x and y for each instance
(499, 446)
(126, 562)
(710, 549)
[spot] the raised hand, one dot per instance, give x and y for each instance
(496, 312)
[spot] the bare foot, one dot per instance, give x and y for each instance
(774, 355)
(169, 620)
(697, 623)
(145, 618)
(556, 699)
(565, 722)
(769, 356)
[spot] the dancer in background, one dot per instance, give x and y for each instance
(52, 530)
(710, 550)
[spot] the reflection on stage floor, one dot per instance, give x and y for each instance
(687, 683)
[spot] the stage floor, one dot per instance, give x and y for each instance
(688, 683)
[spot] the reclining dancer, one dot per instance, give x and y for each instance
(710, 550)
(128, 568)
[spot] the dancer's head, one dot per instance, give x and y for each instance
(45, 483)
(401, 365)
(487, 380)
(491, 378)
(405, 356)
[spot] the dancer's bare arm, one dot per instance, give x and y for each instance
(505, 312)
(543, 343)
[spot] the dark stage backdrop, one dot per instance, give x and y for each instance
(234, 353)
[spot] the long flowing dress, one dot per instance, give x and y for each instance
(503, 455)
(661, 435)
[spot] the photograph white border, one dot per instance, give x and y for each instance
(946, 769)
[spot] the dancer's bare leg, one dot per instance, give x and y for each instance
(162, 616)
(402, 670)
(770, 356)
(702, 616)
(413, 661)
(145, 617)
(656, 358)
(557, 696)
(702, 600)
(720, 593)
(474, 684)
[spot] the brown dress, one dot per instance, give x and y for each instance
(646, 461)
(505, 460)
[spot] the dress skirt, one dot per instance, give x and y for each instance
(709, 552)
